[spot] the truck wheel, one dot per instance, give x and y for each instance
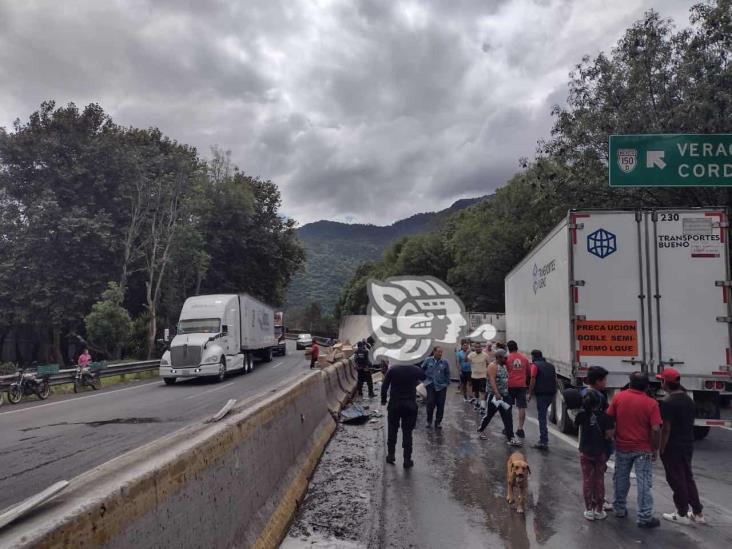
(706, 408)
(251, 362)
(169, 380)
(268, 355)
(564, 421)
(700, 433)
(222, 371)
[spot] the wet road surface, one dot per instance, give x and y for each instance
(455, 494)
(66, 435)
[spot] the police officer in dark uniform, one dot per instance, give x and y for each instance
(363, 366)
(402, 379)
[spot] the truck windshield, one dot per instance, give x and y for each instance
(199, 326)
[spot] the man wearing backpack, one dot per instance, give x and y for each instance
(544, 386)
(363, 367)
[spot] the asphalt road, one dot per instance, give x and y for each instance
(44, 442)
(455, 495)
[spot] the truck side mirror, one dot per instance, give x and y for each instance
(224, 329)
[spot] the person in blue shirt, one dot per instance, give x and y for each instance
(437, 378)
(465, 369)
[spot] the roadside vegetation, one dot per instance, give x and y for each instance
(105, 230)
(657, 79)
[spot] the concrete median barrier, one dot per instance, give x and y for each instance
(236, 483)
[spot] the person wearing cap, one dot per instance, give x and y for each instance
(498, 385)
(543, 385)
(637, 436)
(677, 447)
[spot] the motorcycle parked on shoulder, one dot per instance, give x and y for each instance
(86, 377)
(29, 383)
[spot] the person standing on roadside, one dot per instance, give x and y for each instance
(518, 372)
(314, 354)
(637, 437)
(498, 386)
(597, 382)
(543, 386)
(363, 368)
(437, 379)
(400, 384)
(677, 449)
(478, 371)
(595, 426)
(464, 366)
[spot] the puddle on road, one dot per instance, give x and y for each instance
(101, 423)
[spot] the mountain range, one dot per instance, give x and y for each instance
(334, 250)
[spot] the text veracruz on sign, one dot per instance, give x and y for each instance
(607, 337)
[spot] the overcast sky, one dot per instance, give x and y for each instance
(360, 110)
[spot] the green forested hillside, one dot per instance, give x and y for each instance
(334, 250)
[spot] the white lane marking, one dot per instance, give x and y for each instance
(277, 365)
(77, 399)
(196, 395)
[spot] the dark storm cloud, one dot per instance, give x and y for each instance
(367, 109)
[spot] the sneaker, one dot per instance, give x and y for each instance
(542, 447)
(589, 514)
(698, 519)
(390, 460)
(408, 464)
(600, 515)
(520, 433)
(678, 519)
(652, 523)
(621, 514)
(483, 436)
(465, 399)
(607, 506)
(438, 426)
(514, 442)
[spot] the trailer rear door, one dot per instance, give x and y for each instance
(690, 256)
(608, 277)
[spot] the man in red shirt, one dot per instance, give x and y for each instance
(518, 371)
(637, 437)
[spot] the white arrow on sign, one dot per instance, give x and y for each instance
(655, 159)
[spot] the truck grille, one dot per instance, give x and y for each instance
(184, 355)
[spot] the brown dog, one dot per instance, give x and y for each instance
(517, 476)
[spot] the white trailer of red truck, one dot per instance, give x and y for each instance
(629, 291)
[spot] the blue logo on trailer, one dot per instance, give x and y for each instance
(601, 243)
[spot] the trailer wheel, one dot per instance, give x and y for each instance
(564, 421)
(706, 408)
(267, 355)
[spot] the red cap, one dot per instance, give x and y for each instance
(670, 374)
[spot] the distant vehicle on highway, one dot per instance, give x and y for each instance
(218, 334)
(630, 291)
(280, 332)
(303, 341)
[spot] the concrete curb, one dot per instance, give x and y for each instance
(236, 483)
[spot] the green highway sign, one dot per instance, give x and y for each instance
(671, 160)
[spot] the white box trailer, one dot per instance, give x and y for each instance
(629, 291)
(218, 334)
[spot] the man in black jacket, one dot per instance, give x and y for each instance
(363, 368)
(402, 380)
(544, 386)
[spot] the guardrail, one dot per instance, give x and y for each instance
(67, 376)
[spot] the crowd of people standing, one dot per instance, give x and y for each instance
(633, 427)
